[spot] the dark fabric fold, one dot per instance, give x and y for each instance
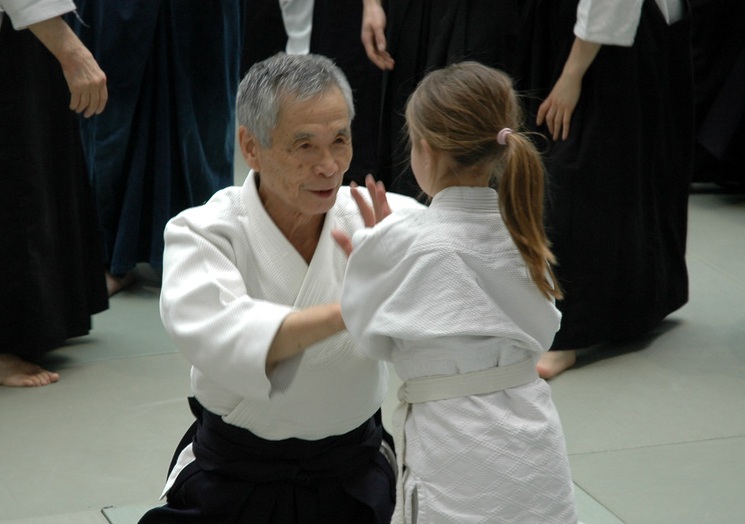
(52, 274)
(239, 477)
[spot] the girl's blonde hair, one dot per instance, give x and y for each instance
(460, 110)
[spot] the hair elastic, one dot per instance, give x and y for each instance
(502, 136)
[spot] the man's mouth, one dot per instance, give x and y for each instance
(324, 193)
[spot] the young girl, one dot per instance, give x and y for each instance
(459, 296)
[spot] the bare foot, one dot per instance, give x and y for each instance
(115, 284)
(14, 371)
(553, 363)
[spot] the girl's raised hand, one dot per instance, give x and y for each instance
(371, 214)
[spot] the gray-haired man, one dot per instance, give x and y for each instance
(288, 426)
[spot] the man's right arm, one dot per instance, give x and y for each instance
(301, 329)
(207, 311)
(231, 337)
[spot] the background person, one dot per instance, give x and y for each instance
(167, 141)
(617, 88)
(51, 274)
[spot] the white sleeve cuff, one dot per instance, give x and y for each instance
(608, 22)
(24, 13)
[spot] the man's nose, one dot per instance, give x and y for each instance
(327, 164)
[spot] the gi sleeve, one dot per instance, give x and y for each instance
(371, 279)
(608, 22)
(394, 289)
(207, 312)
(24, 13)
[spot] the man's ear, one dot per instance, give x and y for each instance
(250, 148)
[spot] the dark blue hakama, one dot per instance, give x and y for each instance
(166, 140)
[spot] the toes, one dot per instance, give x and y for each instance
(16, 372)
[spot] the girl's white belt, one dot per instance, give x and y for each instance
(427, 389)
(490, 380)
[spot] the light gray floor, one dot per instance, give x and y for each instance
(656, 429)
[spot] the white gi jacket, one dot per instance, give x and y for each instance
(24, 13)
(297, 17)
(230, 278)
(444, 291)
(614, 22)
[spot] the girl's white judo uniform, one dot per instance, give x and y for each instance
(444, 291)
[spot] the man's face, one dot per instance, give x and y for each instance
(311, 149)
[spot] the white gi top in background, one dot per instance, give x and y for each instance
(24, 13)
(297, 16)
(614, 22)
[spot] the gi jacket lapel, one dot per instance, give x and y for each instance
(325, 275)
(280, 272)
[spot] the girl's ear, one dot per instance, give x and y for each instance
(427, 152)
(250, 148)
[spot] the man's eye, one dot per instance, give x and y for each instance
(304, 146)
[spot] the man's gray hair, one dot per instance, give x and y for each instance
(267, 82)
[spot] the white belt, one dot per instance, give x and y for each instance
(490, 380)
(427, 389)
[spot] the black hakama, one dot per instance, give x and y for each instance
(719, 75)
(424, 35)
(239, 478)
(618, 186)
(51, 273)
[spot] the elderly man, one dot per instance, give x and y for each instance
(288, 426)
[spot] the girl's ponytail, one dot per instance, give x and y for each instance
(521, 188)
(466, 110)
